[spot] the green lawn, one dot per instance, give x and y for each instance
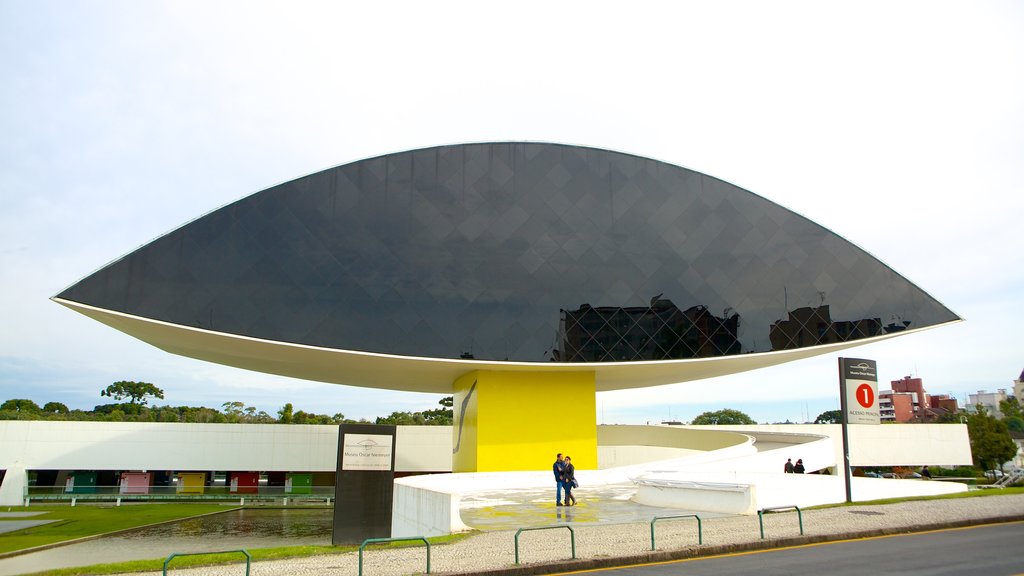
(89, 520)
(969, 494)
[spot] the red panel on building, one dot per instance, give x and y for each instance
(245, 482)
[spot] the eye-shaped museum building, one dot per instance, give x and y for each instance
(520, 277)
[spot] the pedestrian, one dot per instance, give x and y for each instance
(789, 466)
(569, 474)
(558, 468)
(799, 467)
(926, 473)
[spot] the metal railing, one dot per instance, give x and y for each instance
(379, 540)
(700, 529)
(1009, 478)
(572, 537)
(760, 516)
(172, 493)
(248, 558)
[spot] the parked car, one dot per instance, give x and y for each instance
(872, 475)
(890, 475)
(993, 474)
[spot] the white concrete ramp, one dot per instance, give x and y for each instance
(708, 470)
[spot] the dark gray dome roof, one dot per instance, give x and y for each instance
(513, 251)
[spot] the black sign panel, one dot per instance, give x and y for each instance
(365, 480)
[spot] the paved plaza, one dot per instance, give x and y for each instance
(547, 551)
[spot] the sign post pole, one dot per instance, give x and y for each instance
(858, 398)
(846, 435)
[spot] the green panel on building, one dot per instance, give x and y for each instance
(298, 484)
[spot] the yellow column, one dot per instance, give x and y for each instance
(520, 420)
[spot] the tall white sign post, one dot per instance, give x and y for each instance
(858, 394)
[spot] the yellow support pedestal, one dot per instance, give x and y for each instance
(508, 421)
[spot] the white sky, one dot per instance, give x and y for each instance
(898, 125)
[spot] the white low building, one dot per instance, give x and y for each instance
(729, 469)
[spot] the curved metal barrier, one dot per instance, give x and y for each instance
(572, 537)
(379, 540)
(760, 516)
(700, 529)
(248, 558)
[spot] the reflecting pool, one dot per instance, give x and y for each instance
(231, 530)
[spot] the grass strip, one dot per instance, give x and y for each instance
(215, 559)
(87, 520)
(969, 494)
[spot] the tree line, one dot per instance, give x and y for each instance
(133, 405)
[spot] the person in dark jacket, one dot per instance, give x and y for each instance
(569, 475)
(558, 468)
(788, 468)
(798, 468)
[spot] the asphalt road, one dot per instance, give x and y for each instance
(992, 550)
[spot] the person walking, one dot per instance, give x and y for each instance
(558, 468)
(799, 467)
(569, 474)
(789, 466)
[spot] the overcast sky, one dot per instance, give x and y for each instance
(898, 125)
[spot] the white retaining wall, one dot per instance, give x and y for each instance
(45, 445)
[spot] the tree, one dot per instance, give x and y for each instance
(402, 419)
(136, 392)
(1015, 424)
(830, 417)
(55, 408)
(991, 443)
(438, 417)
(951, 418)
(168, 414)
(444, 416)
(233, 411)
(21, 406)
(286, 413)
(1011, 408)
(201, 415)
(724, 416)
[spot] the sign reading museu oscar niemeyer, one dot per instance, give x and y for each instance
(364, 483)
(858, 386)
(367, 452)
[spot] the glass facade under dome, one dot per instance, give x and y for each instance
(514, 251)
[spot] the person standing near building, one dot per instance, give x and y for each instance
(926, 473)
(558, 468)
(569, 474)
(799, 467)
(789, 466)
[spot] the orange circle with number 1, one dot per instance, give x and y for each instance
(865, 395)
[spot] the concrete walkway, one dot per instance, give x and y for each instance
(600, 545)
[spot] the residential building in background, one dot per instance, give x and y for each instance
(1018, 459)
(908, 401)
(990, 400)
